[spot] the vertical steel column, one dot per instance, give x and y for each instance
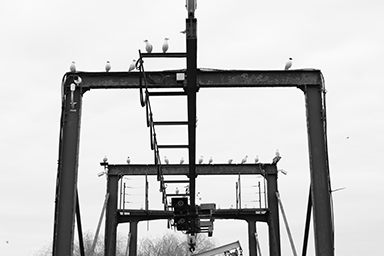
(133, 240)
(320, 189)
(252, 238)
(273, 221)
(111, 216)
(191, 94)
(66, 183)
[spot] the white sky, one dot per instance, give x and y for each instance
(344, 39)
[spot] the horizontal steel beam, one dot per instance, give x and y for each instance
(205, 79)
(201, 169)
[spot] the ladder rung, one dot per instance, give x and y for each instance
(171, 123)
(176, 181)
(180, 93)
(164, 55)
(172, 146)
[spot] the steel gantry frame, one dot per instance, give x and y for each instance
(309, 81)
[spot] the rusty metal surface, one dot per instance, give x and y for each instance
(205, 79)
(202, 169)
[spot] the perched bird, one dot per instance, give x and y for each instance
(72, 67)
(182, 160)
(105, 159)
(277, 157)
(107, 66)
(210, 160)
(166, 160)
(148, 46)
(288, 65)
(230, 161)
(132, 66)
(128, 160)
(201, 159)
(244, 160)
(165, 45)
(177, 190)
(256, 159)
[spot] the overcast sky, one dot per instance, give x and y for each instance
(344, 39)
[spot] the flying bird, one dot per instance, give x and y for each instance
(72, 67)
(256, 159)
(166, 160)
(165, 45)
(288, 65)
(128, 160)
(107, 66)
(244, 160)
(201, 159)
(210, 160)
(148, 46)
(230, 161)
(132, 66)
(182, 160)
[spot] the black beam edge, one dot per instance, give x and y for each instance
(203, 169)
(206, 78)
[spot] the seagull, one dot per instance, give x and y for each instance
(132, 66)
(244, 160)
(288, 65)
(166, 160)
(165, 45)
(182, 160)
(128, 160)
(210, 160)
(230, 161)
(105, 159)
(277, 153)
(256, 159)
(277, 157)
(107, 66)
(72, 68)
(177, 190)
(148, 46)
(201, 159)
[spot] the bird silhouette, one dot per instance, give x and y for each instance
(128, 160)
(230, 161)
(201, 159)
(72, 67)
(132, 66)
(108, 66)
(256, 159)
(244, 160)
(182, 160)
(288, 65)
(177, 190)
(210, 160)
(165, 45)
(105, 159)
(148, 46)
(166, 160)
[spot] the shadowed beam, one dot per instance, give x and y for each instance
(205, 79)
(203, 169)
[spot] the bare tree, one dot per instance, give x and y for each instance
(173, 244)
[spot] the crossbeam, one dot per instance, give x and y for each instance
(205, 79)
(202, 169)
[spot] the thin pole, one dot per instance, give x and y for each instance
(99, 224)
(259, 194)
(239, 192)
(286, 224)
(79, 228)
(307, 223)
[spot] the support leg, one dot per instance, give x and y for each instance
(251, 238)
(133, 238)
(111, 216)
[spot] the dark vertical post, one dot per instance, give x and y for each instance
(307, 224)
(133, 240)
(66, 183)
(79, 227)
(191, 94)
(239, 191)
(252, 238)
(273, 222)
(319, 172)
(111, 216)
